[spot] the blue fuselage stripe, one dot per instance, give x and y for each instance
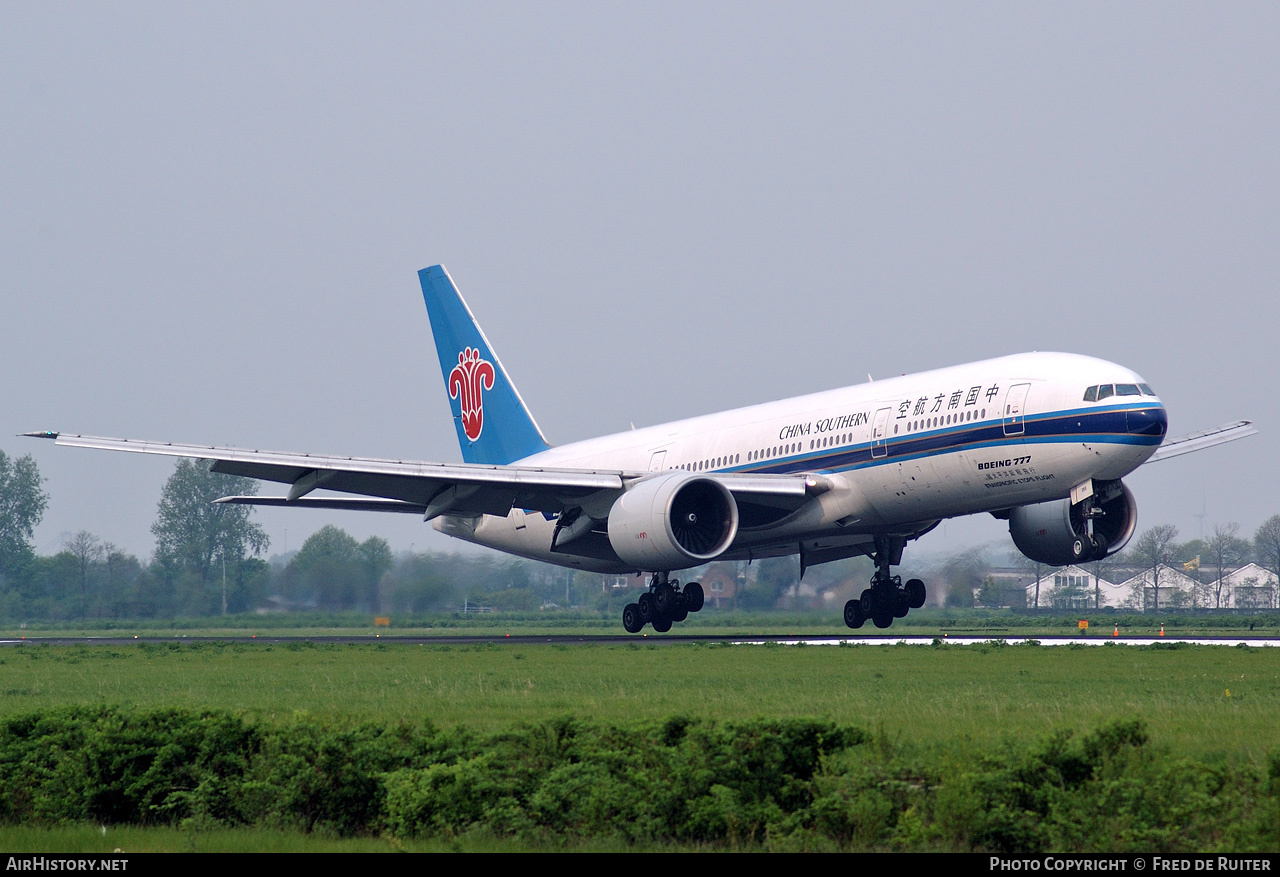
(1108, 426)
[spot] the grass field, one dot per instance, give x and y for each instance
(944, 703)
(1214, 703)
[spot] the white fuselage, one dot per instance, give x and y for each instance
(899, 454)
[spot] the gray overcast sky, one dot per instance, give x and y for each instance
(213, 215)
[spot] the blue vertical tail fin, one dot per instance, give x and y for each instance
(493, 424)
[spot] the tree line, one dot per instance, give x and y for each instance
(209, 560)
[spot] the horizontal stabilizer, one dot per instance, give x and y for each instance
(346, 504)
(1198, 441)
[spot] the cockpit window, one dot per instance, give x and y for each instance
(1098, 392)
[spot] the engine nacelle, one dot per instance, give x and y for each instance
(674, 520)
(1058, 532)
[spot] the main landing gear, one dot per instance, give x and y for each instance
(887, 598)
(666, 603)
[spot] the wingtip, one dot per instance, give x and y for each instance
(43, 433)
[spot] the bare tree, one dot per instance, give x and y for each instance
(86, 548)
(1101, 568)
(1225, 549)
(1152, 551)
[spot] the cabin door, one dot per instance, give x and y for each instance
(879, 433)
(1015, 401)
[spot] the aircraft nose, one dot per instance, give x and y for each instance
(1150, 420)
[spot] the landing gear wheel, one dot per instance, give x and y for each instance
(853, 614)
(631, 620)
(1081, 549)
(645, 605)
(900, 605)
(1099, 547)
(681, 610)
(664, 599)
(693, 594)
(882, 619)
(914, 589)
(868, 601)
(662, 624)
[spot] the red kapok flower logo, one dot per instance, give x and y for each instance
(469, 378)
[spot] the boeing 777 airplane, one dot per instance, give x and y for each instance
(1042, 440)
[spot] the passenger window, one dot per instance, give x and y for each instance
(1128, 390)
(1091, 394)
(1105, 391)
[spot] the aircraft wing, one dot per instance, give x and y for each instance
(431, 489)
(1196, 441)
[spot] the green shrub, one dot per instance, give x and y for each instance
(777, 784)
(113, 766)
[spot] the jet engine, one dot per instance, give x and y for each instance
(673, 520)
(1060, 532)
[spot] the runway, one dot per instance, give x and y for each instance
(676, 639)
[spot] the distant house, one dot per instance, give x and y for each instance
(720, 585)
(1177, 589)
(615, 584)
(1076, 587)
(1068, 587)
(1249, 587)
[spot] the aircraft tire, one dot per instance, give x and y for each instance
(868, 600)
(662, 624)
(882, 619)
(681, 609)
(853, 615)
(916, 593)
(645, 605)
(664, 598)
(631, 620)
(1100, 547)
(693, 593)
(901, 606)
